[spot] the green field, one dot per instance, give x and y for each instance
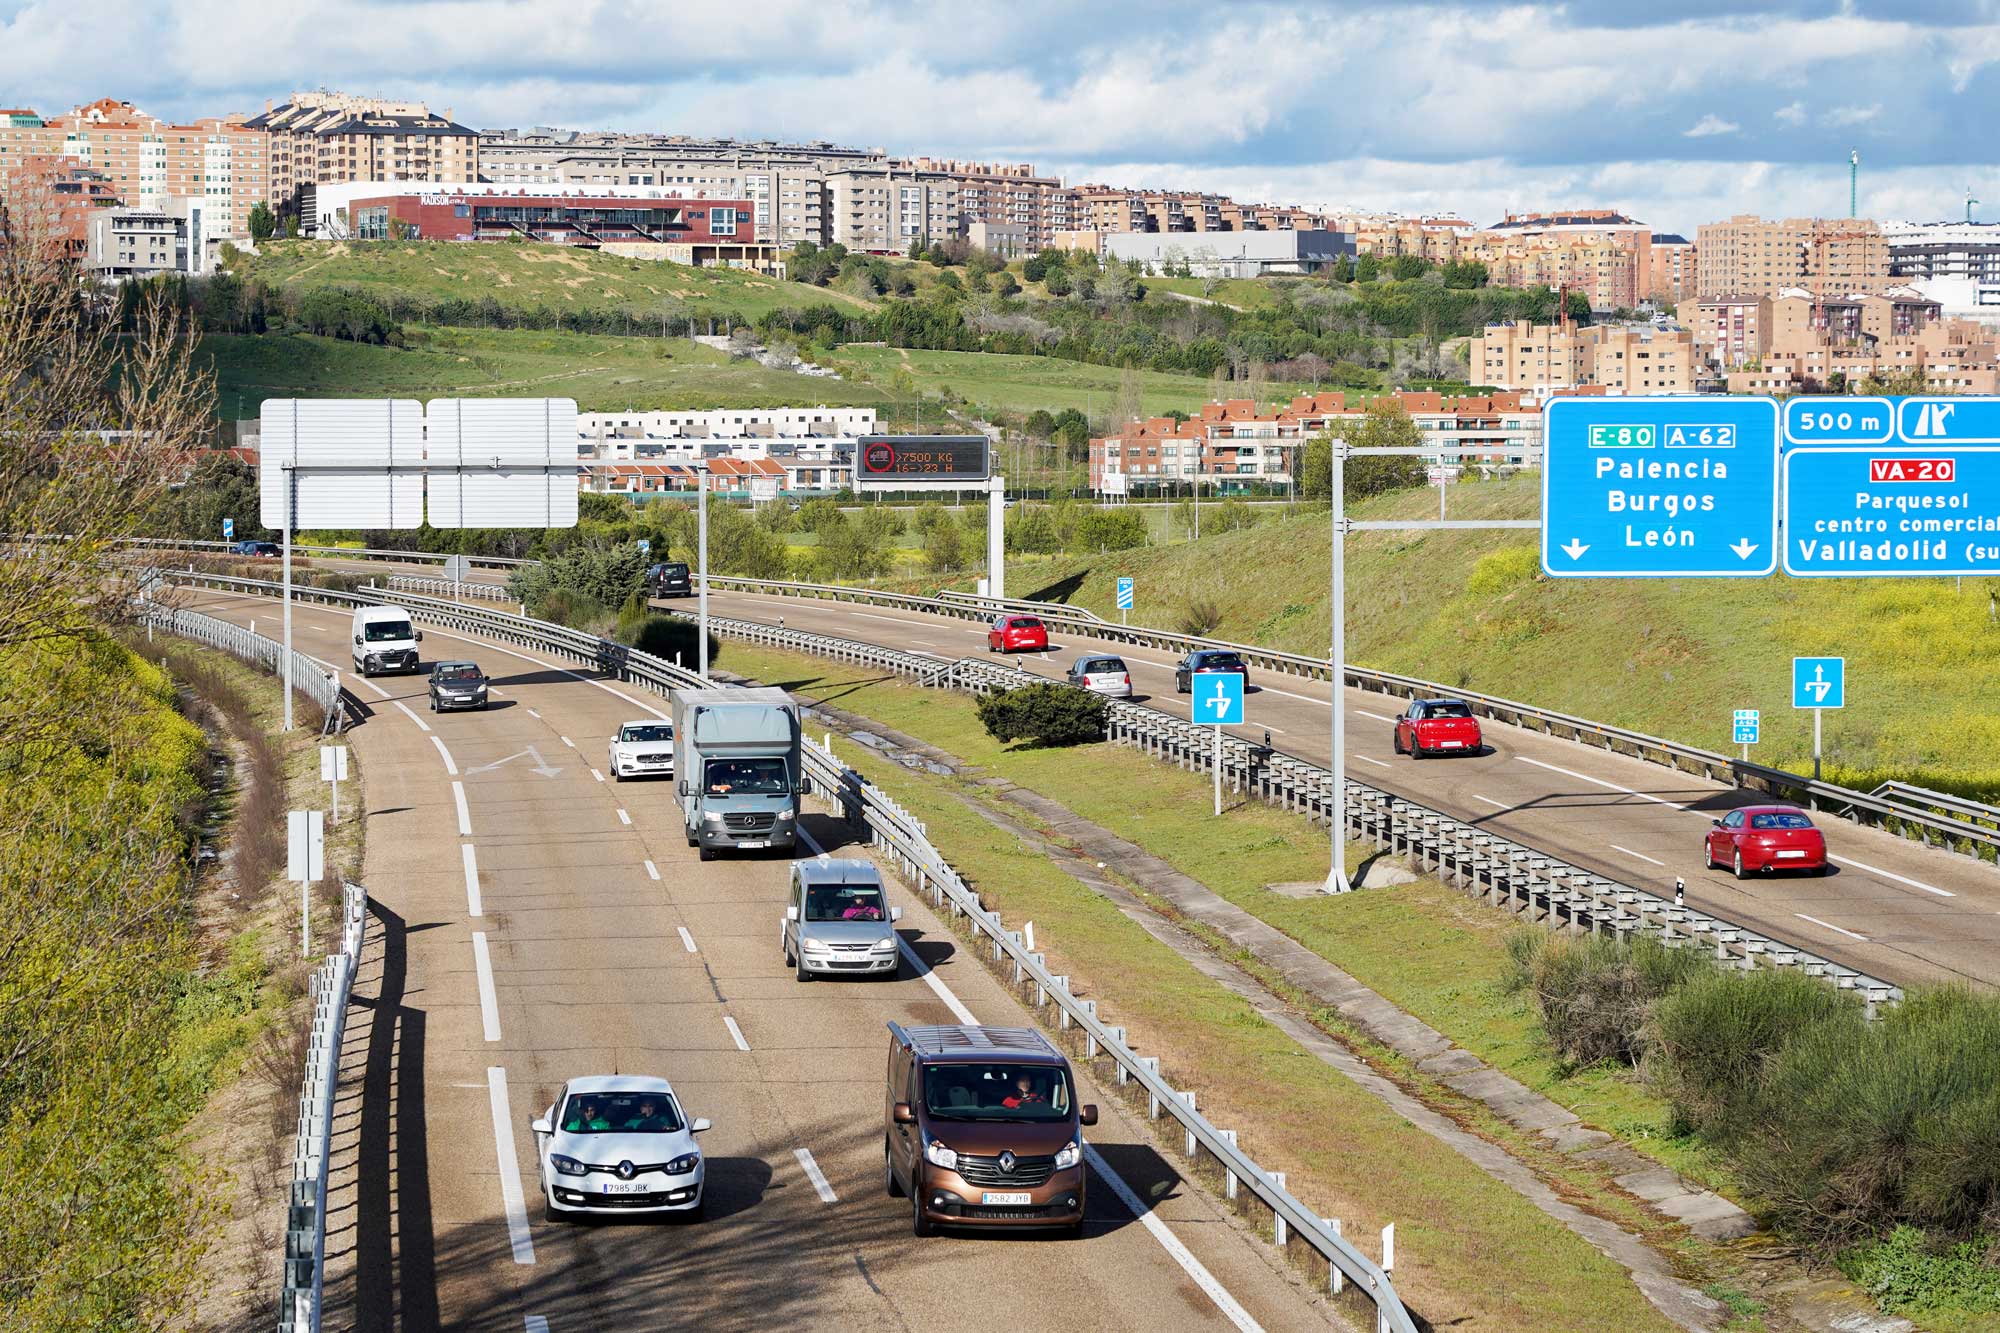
(1661, 656)
(602, 373)
(527, 277)
(1024, 383)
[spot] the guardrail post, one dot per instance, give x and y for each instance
(1335, 1279)
(1151, 1064)
(1192, 1146)
(1281, 1231)
(1228, 1136)
(1388, 1247)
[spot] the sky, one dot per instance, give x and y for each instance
(1675, 114)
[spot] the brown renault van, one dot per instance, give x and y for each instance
(984, 1129)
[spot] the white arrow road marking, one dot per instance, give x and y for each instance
(1575, 548)
(541, 764)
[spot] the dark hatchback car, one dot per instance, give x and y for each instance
(1204, 660)
(457, 685)
(258, 548)
(669, 579)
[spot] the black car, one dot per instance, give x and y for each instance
(670, 579)
(1207, 660)
(258, 548)
(457, 685)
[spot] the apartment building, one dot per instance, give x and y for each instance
(1639, 359)
(1615, 358)
(1007, 196)
(1387, 235)
(144, 160)
(1749, 256)
(56, 197)
(1929, 250)
(1669, 275)
(1730, 332)
(886, 209)
(1231, 446)
(1521, 355)
(319, 137)
(757, 450)
(581, 220)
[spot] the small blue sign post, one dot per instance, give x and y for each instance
(1660, 488)
(229, 529)
(1743, 726)
(1819, 683)
(1124, 598)
(643, 545)
(1217, 700)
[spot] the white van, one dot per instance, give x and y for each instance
(384, 640)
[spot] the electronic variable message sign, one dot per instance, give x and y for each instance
(902, 460)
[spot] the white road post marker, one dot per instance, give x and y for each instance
(332, 768)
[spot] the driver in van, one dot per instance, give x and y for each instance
(1024, 1094)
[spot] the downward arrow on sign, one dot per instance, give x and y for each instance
(1744, 547)
(1575, 549)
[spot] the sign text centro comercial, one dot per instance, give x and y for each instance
(1875, 510)
(1660, 488)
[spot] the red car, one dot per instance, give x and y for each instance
(1438, 726)
(1764, 838)
(1017, 634)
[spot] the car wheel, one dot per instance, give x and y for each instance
(434, 703)
(617, 774)
(1707, 855)
(890, 1185)
(919, 1224)
(690, 837)
(1396, 739)
(698, 1213)
(799, 969)
(1822, 870)
(1416, 750)
(1739, 863)
(708, 853)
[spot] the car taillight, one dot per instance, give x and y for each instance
(1125, 679)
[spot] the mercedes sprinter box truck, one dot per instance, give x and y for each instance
(739, 768)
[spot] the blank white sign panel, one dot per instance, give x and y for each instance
(490, 462)
(341, 433)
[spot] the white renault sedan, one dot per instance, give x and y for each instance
(619, 1144)
(643, 749)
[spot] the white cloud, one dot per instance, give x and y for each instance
(1853, 115)
(1709, 126)
(1793, 115)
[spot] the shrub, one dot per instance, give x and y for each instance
(672, 638)
(1907, 1273)
(1596, 994)
(1044, 714)
(1498, 571)
(584, 581)
(1200, 616)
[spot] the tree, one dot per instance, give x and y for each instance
(1047, 714)
(1315, 479)
(1057, 282)
(1038, 425)
(1072, 432)
(944, 546)
(1003, 284)
(263, 222)
(1404, 267)
(1386, 426)
(1367, 268)
(291, 227)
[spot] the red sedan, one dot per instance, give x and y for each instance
(1763, 838)
(1017, 634)
(1438, 726)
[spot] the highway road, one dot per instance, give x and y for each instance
(538, 921)
(1891, 908)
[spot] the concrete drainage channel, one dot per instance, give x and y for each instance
(1295, 1228)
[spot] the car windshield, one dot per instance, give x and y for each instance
(646, 731)
(381, 631)
(620, 1112)
(845, 902)
(745, 777)
(1219, 662)
(1780, 821)
(1448, 710)
(1026, 622)
(464, 671)
(674, 571)
(1103, 664)
(997, 1092)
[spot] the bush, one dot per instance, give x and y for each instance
(1200, 617)
(1908, 1274)
(1595, 994)
(584, 581)
(1044, 714)
(672, 639)
(1498, 571)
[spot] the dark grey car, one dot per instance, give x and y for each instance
(457, 685)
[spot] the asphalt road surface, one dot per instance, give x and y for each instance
(536, 921)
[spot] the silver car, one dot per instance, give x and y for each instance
(838, 921)
(1102, 674)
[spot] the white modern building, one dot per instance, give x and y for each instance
(796, 450)
(1944, 249)
(1230, 254)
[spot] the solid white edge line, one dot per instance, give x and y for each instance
(815, 1175)
(1915, 884)
(1629, 852)
(450, 766)
(407, 713)
(1366, 760)
(1193, 1267)
(687, 940)
(473, 905)
(938, 988)
(652, 871)
(464, 814)
(360, 679)
(1497, 805)
(1377, 716)
(623, 818)
(1599, 782)
(1830, 926)
(489, 1001)
(736, 1035)
(511, 1197)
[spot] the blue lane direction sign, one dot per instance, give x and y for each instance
(1660, 488)
(1819, 682)
(1218, 698)
(1892, 511)
(1124, 594)
(229, 529)
(643, 545)
(1948, 420)
(1816, 420)
(1743, 725)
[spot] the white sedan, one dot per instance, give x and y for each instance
(619, 1144)
(642, 750)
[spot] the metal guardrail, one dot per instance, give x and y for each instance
(304, 1286)
(1975, 815)
(490, 592)
(343, 552)
(308, 676)
(892, 827)
(1909, 819)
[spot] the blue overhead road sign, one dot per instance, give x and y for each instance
(1816, 420)
(1948, 420)
(1819, 682)
(1892, 511)
(1218, 698)
(1660, 488)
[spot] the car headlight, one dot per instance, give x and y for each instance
(787, 814)
(885, 946)
(817, 946)
(567, 1166)
(938, 1155)
(1071, 1154)
(680, 1166)
(711, 817)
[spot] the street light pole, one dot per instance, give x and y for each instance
(701, 558)
(1336, 875)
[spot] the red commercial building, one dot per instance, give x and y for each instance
(581, 220)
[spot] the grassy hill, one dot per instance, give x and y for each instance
(1024, 383)
(1666, 657)
(527, 276)
(602, 373)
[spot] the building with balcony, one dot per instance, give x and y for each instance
(321, 137)
(1750, 256)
